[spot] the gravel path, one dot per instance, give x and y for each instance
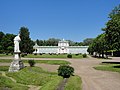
(95, 79)
(91, 79)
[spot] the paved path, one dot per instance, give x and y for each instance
(92, 79)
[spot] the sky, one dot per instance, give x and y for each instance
(73, 20)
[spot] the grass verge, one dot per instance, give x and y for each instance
(53, 62)
(4, 55)
(32, 76)
(74, 83)
(38, 77)
(4, 68)
(7, 84)
(109, 67)
(53, 84)
(53, 56)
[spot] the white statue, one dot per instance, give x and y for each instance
(16, 43)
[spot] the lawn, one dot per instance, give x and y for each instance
(74, 83)
(8, 84)
(4, 55)
(53, 62)
(109, 67)
(5, 60)
(38, 77)
(53, 56)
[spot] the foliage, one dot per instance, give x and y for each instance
(69, 56)
(84, 55)
(112, 29)
(99, 45)
(54, 42)
(87, 41)
(65, 71)
(49, 42)
(110, 39)
(31, 63)
(73, 83)
(109, 67)
(6, 42)
(26, 44)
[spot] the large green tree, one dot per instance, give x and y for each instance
(26, 44)
(7, 43)
(99, 45)
(87, 41)
(1, 42)
(112, 29)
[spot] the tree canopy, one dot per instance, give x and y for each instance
(26, 44)
(110, 39)
(6, 42)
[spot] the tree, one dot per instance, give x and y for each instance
(7, 43)
(99, 45)
(26, 44)
(1, 36)
(1, 42)
(52, 42)
(112, 29)
(87, 41)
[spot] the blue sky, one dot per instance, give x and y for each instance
(69, 19)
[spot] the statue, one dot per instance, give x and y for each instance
(16, 43)
(17, 63)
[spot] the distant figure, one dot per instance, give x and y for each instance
(16, 43)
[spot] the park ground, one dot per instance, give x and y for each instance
(92, 79)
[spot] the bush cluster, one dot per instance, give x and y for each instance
(69, 56)
(31, 63)
(84, 55)
(23, 54)
(65, 71)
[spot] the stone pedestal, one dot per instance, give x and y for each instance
(16, 64)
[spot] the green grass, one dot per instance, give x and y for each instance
(4, 55)
(109, 67)
(7, 84)
(52, 56)
(4, 68)
(5, 60)
(38, 77)
(53, 84)
(53, 62)
(74, 83)
(33, 76)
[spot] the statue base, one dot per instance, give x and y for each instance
(16, 64)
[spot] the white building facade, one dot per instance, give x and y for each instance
(62, 48)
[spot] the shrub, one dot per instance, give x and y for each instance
(76, 54)
(65, 71)
(31, 63)
(22, 55)
(35, 54)
(84, 55)
(69, 56)
(40, 53)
